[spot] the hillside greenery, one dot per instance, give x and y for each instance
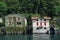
(41, 8)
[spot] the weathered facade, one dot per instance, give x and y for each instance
(15, 20)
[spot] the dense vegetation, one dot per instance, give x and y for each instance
(42, 7)
(27, 7)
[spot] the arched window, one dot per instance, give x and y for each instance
(18, 18)
(45, 23)
(37, 23)
(41, 24)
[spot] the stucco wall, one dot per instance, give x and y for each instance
(34, 24)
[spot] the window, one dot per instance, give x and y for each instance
(41, 19)
(14, 18)
(18, 18)
(44, 27)
(38, 28)
(37, 23)
(40, 23)
(44, 23)
(10, 18)
(10, 23)
(19, 23)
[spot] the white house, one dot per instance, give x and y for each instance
(40, 25)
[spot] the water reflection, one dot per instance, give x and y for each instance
(16, 37)
(30, 37)
(55, 37)
(2, 37)
(41, 37)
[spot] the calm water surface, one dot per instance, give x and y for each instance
(30, 37)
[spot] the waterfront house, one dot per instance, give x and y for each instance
(40, 25)
(15, 20)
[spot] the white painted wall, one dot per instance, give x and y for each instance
(1, 20)
(34, 22)
(25, 22)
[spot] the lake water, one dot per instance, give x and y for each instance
(30, 37)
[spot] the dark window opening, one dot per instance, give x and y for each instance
(41, 19)
(44, 27)
(19, 23)
(37, 23)
(45, 23)
(38, 28)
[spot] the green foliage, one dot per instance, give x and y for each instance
(47, 7)
(27, 7)
(29, 21)
(35, 15)
(42, 7)
(3, 6)
(14, 29)
(26, 14)
(3, 9)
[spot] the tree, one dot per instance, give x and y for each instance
(47, 7)
(3, 9)
(29, 20)
(42, 7)
(29, 23)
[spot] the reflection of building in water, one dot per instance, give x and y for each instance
(40, 25)
(17, 20)
(41, 37)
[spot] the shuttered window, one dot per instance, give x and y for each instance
(41, 24)
(44, 23)
(37, 23)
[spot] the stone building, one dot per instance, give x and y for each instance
(15, 20)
